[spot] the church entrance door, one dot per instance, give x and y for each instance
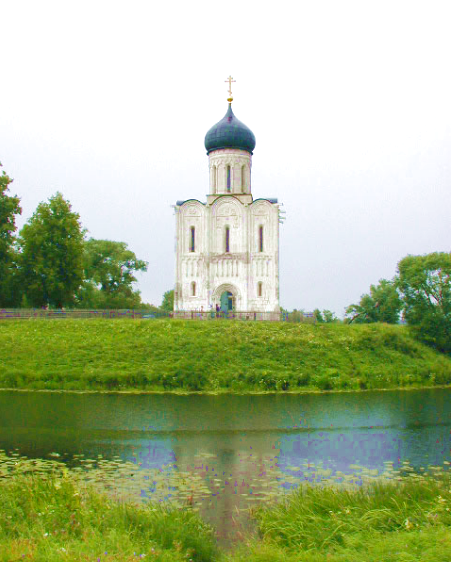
(226, 301)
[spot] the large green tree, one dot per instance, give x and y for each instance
(109, 270)
(51, 259)
(425, 285)
(9, 208)
(383, 304)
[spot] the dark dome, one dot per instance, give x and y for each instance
(229, 133)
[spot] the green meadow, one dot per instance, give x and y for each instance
(49, 514)
(214, 355)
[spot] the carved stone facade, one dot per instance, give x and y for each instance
(227, 249)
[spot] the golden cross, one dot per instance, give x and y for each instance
(230, 80)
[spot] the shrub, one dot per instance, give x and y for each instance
(303, 379)
(190, 378)
(282, 384)
(442, 375)
(267, 381)
(323, 382)
(10, 379)
(139, 379)
(344, 382)
(363, 382)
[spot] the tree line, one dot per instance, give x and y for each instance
(50, 263)
(420, 292)
(418, 295)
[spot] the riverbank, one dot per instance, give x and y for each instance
(385, 522)
(219, 356)
(58, 518)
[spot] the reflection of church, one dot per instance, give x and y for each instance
(227, 251)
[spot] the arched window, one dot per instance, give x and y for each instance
(243, 181)
(228, 179)
(260, 289)
(192, 239)
(193, 289)
(227, 239)
(260, 238)
(213, 179)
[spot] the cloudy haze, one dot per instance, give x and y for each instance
(109, 103)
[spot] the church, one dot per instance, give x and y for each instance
(227, 248)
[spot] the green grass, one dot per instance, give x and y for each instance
(219, 355)
(56, 518)
(53, 519)
(386, 522)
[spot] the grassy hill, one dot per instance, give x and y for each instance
(213, 356)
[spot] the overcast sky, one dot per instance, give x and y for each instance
(350, 103)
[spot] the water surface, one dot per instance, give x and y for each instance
(225, 453)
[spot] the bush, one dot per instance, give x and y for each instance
(190, 378)
(344, 382)
(323, 382)
(442, 375)
(302, 379)
(267, 381)
(10, 379)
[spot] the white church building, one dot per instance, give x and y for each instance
(227, 249)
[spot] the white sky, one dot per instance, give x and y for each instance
(350, 103)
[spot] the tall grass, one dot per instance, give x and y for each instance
(384, 522)
(219, 355)
(53, 519)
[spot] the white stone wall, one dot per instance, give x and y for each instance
(264, 261)
(190, 266)
(240, 163)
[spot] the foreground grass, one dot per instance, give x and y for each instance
(385, 522)
(213, 355)
(55, 519)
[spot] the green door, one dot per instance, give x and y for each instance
(226, 301)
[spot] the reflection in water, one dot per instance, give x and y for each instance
(223, 454)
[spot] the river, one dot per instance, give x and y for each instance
(222, 454)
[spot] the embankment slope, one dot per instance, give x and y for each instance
(214, 355)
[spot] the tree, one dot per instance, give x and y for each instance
(326, 316)
(383, 304)
(109, 269)
(329, 317)
(425, 285)
(9, 207)
(318, 316)
(168, 301)
(51, 258)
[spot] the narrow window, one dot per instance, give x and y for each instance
(193, 289)
(214, 179)
(192, 240)
(260, 289)
(243, 186)
(227, 239)
(260, 239)
(228, 179)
